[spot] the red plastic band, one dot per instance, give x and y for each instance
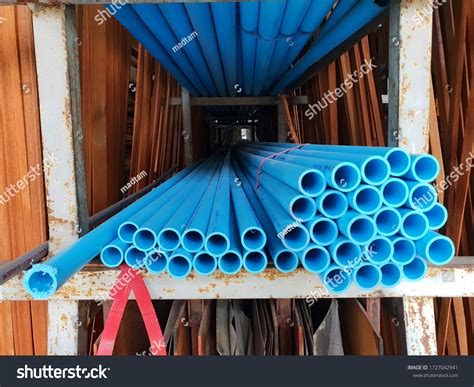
(271, 157)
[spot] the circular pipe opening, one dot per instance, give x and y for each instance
(193, 240)
(144, 239)
(394, 192)
(312, 183)
(361, 230)
(336, 280)
(368, 200)
(388, 221)
(399, 161)
(303, 208)
(414, 225)
(126, 232)
(425, 168)
(423, 197)
(404, 251)
(255, 262)
(204, 263)
(134, 257)
(334, 205)
(111, 256)
(437, 217)
(316, 259)
(367, 276)
(324, 231)
(253, 239)
(156, 262)
(391, 275)
(347, 254)
(296, 239)
(286, 261)
(41, 283)
(169, 239)
(230, 263)
(379, 250)
(179, 266)
(415, 270)
(346, 177)
(217, 244)
(375, 170)
(440, 250)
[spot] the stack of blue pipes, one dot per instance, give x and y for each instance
(361, 215)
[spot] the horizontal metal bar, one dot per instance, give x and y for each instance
(240, 101)
(454, 280)
(98, 218)
(15, 267)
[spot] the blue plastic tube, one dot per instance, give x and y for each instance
(345, 253)
(42, 280)
(379, 250)
(358, 228)
(156, 22)
(336, 279)
(394, 192)
(367, 276)
(251, 233)
(135, 258)
(255, 262)
(355, 19)
(297, 205)
(112, 255)
(249, 12)
(315, 258)
(422, 196)
(322, 231)
(374, 169)
(365, 199)
(307, 180)
(437, 217)
(414, 224)
(424, 168)
(341, 10)
(156, 261)
(127, 16)
(225, 20)
(398, 158)
(146, 237)
(387, 221)
(169, 238)
(193, 238)
(178, 20)
(275, 245)
(231, 262)
(180, 263)
(404, 250)
(217, 242)
(437, 249)
(343, 176)
(391, 275)
(204, 263)
(201, 18)
(332, 204)
(415, 270)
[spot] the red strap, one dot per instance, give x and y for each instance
(271, 157)
(128, 280)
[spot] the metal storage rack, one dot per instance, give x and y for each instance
(56, 45)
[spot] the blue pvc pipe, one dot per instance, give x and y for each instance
(307, 180)
(343, 176)
(345, 253)
(323, 231)
(251, 233)
(424, 168)
(437, 249)
(355, 19)
(201, 18)
(414, 224)
(332, 204)
(365, 199)
(415, 270)
(135, 258)
(217, 242)
(112, 255)
(387, 221)
(249, 12)
(156, 261)
(315, 258)
(255, 261)
(422, 196)
(231, 262)
(404, 250)
(127, 16)
(394, 192)
(367, 276)
(437, 217)
(358, 228)
(341, 10)
(180, 263)
(336, 279)
(204, 263)
(379, 250)
(169, 238)
(297, 205)
(286, 261)
(42, 280)
(391, 275)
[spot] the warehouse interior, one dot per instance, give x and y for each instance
(138, 122)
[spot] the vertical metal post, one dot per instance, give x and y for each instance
(59, 97)
(282, 125)
(187, 127)
(409, 106)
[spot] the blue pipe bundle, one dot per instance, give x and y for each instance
(340, 212)
(242, 48)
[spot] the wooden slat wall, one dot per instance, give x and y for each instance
(23, 325)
